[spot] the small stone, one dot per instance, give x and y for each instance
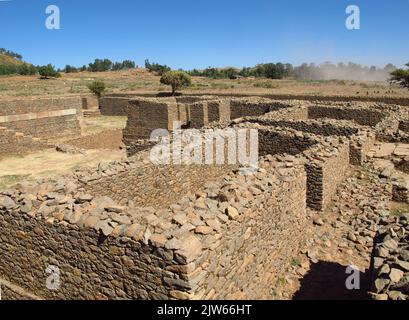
(122, 219)
(318, 221)
(26, 208)
(203, 230)
(232, 212)
(114, 208)
(173, 244)
(146, 236)
(395, 295)
(380, 284)
(214, 223)
(403, 264)
(179, 295)
(351, 236)
(91, 222)
(180, 219)
(380, 297)
(6, 202)
(385, 269)
(105, 228)
(378, 262)
(158, 240)
(390, 244)
(396, 275)
(84, 198)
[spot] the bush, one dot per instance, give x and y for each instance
(97, 87)
(48, 71)
(401, 77)
(176, 79)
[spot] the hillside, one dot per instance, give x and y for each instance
(7, 60)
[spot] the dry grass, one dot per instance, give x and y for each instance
(97, 124)
(139, 80)
(50, 163)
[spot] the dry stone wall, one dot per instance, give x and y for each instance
(14, 143)
(361, 116)
(43, 118)
(107, 251)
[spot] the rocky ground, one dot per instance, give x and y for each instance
(344, 236)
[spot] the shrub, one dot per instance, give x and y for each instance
(401, 77)
(97, 87)
(48, 71)
(176, 79)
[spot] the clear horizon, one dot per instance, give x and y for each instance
(207, 33)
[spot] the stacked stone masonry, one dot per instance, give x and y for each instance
(134, 230)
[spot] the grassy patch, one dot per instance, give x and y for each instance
(398, 213)
(295, 262)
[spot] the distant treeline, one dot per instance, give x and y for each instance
(100, 65)
(325, 71)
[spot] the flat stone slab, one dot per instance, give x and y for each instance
(401, 150)
(384, 150)
(382, 164)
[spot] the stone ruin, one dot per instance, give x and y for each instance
(29, 124)
(135, 230)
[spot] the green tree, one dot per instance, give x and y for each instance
(97, 87)
(156, 67)
(176, 79)
(401, 77)
(70, 69)
(48, 71)
(100, 65)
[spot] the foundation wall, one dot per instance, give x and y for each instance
(361, 116)
(323, 177)
(155, 186)
(88, 268)
(204, 246)
(43, 118)
(146, 115)
(13, 143)
(113, 106)
(251, 252)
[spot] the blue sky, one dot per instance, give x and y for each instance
(201, 33)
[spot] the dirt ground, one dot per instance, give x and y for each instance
(101, 141)
(139, 80)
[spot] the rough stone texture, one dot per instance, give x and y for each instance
(362, 116)
(110, 251)
(113, 106)
(43, 118)
(13, 143)
(390, 262)
(146, 115)
(131, 230)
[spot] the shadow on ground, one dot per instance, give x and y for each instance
(326, 281)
